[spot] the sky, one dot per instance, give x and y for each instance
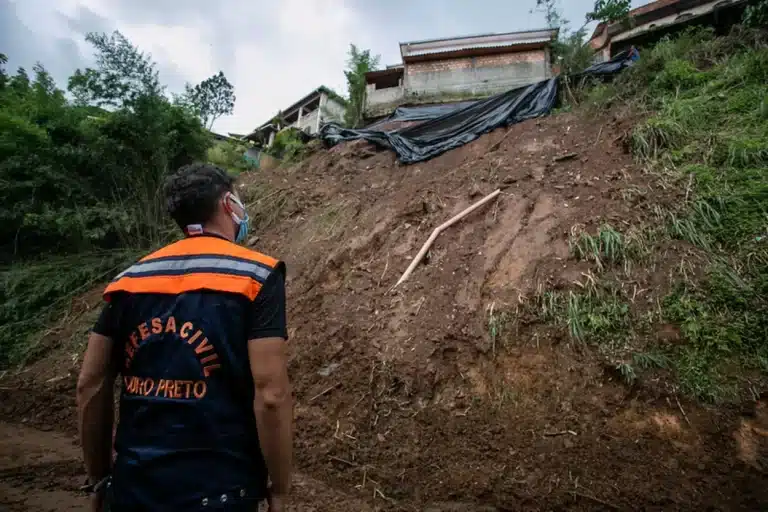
(272, 51)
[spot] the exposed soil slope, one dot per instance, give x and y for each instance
(404, 400)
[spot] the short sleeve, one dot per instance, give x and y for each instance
(108, 323)
(268, 319)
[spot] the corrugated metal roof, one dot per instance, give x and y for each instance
(447, 49)
(477, 36)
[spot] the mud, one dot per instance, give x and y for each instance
(426, 411)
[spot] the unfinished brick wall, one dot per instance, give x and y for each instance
(485, 61)
(476, 76)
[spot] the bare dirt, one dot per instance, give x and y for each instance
(403, 399)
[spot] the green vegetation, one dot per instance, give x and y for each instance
(359, 63)
(597, 313)
(606, 248)
(570, 50)
(704, 101)
(756, 14)
(230, 155)
(37, 293)
(79, 180)
(610, 11)
(707, 133)
(288, 146)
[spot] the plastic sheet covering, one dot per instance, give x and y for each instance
(617, 64)
(422, 112)
(455, 126)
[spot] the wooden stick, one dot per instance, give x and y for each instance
(327, 390)
(439, 229)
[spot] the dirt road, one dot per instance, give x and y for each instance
(41, 471)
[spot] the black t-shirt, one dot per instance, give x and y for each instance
(267, 320)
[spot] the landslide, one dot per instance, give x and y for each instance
(453, 391)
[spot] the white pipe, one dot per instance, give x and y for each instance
(453, 220)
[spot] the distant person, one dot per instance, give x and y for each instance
(197, 332)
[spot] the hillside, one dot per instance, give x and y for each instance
(554, 352)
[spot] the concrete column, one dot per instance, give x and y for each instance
(323, 101)
(271, 139)
(298, 121)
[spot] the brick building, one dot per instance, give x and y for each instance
(452, 69)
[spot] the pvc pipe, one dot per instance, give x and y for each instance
(450, 222)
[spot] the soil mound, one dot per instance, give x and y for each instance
(405, 399)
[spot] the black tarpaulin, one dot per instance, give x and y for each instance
(423, 112)
(457, 128)
(617, 64)
(449, 127)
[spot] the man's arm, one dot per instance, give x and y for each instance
(95, 406)
(273, 408)
(273, 404)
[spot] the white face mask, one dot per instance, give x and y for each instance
(242, 224)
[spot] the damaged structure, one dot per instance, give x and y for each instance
(649, 23)
(308, 114)
(460, 68)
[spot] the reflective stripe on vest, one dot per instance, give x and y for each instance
(197, 263)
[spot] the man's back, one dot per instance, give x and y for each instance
(186, 404)
(185, 408)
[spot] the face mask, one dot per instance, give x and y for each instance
(242, 224)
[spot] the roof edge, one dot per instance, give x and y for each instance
(470, 36)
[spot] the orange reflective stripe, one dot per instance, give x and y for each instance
(174, 285)
(197, 263)
(211, 245)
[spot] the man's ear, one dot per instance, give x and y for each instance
(225, 203)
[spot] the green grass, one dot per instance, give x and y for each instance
(607, 247)
(707, 131)
(33, 295)
(598, 313)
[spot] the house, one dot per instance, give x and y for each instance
(649, 23)
(452, 69)
(307, 114)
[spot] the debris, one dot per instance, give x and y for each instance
(326, 370)
(567, 156)
(560, 433)
(682, 411)
(596, 500)
(442, 227)
(325, 391)
(343, 461)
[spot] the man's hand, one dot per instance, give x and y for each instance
(276, 503)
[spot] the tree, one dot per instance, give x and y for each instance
(569, 49)
(81, 176)
(552, 14)
(756, 14)
(358, 64)
(211, 98)
(610, 11)
(3, 76)
(122, 74)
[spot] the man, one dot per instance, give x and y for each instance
(197, 332)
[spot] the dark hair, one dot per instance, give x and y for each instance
(191, 193)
